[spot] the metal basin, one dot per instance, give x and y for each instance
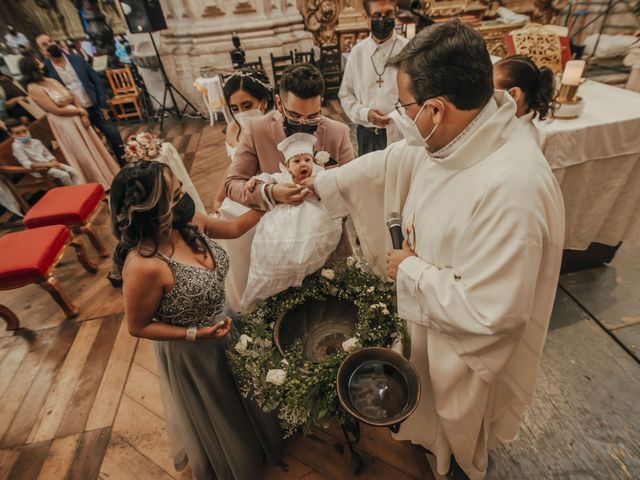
(322, 325)
(378, 386)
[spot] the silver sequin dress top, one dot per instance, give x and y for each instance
(197, 297)
(211, 427)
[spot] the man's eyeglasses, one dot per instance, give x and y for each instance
(301, 120)
(388, 16)
(400, 107)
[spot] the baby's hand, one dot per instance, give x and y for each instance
(251, 184)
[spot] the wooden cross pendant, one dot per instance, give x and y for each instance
(380, 81)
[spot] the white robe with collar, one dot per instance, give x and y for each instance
(477, 298)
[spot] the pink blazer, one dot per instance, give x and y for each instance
(257, 153)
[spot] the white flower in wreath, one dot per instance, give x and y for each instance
(243, 343)
(276, 376)
(328, 274)
(370, 289)
(322, 157)
(350, 344)
(351, 261)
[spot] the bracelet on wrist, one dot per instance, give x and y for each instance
(191, 334)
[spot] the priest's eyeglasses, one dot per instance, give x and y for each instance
(315, 119)
(400, 107)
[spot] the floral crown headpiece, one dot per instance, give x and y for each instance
(252, 76)
(142, 146)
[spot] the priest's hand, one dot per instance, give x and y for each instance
(396, 257)
(288, 193)
(308, 184)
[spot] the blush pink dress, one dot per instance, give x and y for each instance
(80, 145)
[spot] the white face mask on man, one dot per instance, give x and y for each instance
(242, 118)
(410, 130)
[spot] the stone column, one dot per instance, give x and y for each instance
(199, 35)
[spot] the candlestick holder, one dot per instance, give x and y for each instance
(569, 104)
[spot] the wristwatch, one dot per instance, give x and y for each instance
(191, 333)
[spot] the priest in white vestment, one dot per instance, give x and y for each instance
(484, 222)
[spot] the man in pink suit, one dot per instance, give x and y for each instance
(297, 110)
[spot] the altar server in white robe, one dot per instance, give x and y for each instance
(477, 275)
(369, 91)
(529, 86)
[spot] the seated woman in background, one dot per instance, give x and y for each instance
(531, 88)
(70, 125)
(174, 294)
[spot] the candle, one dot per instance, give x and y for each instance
(573, 72)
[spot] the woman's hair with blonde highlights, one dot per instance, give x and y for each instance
(140, 203)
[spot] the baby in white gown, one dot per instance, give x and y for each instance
(291, 241)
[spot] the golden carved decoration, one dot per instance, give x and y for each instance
(320, 18)
(539, 43)
(445, 8)
(493, 33)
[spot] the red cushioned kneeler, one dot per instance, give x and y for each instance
(28, 255)
(73, 206)
(70, 205)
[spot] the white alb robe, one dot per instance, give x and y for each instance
(488, 217)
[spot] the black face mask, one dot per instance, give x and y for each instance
(183, 211)
(54, 51)
(383, 28)
(291, 128)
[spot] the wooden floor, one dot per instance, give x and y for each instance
(79, 398)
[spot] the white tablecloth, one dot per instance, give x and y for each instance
(596, 159)
(211, 90)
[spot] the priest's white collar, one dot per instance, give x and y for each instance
(489, 109)
(484, 134)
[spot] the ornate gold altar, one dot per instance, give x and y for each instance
(343, 22)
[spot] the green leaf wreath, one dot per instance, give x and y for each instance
(301, 392)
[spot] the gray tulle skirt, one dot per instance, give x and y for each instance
(211, 427)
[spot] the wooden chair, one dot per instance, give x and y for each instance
(125, 94)
(256, 66)
(278, 65)
(19, 179)
(31, 256)
(330, 65)
(304, 57)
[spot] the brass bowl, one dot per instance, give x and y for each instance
(378, 386)
(322, 325)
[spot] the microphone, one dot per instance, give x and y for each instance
(394, 224)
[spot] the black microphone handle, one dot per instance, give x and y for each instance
(396, 237)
